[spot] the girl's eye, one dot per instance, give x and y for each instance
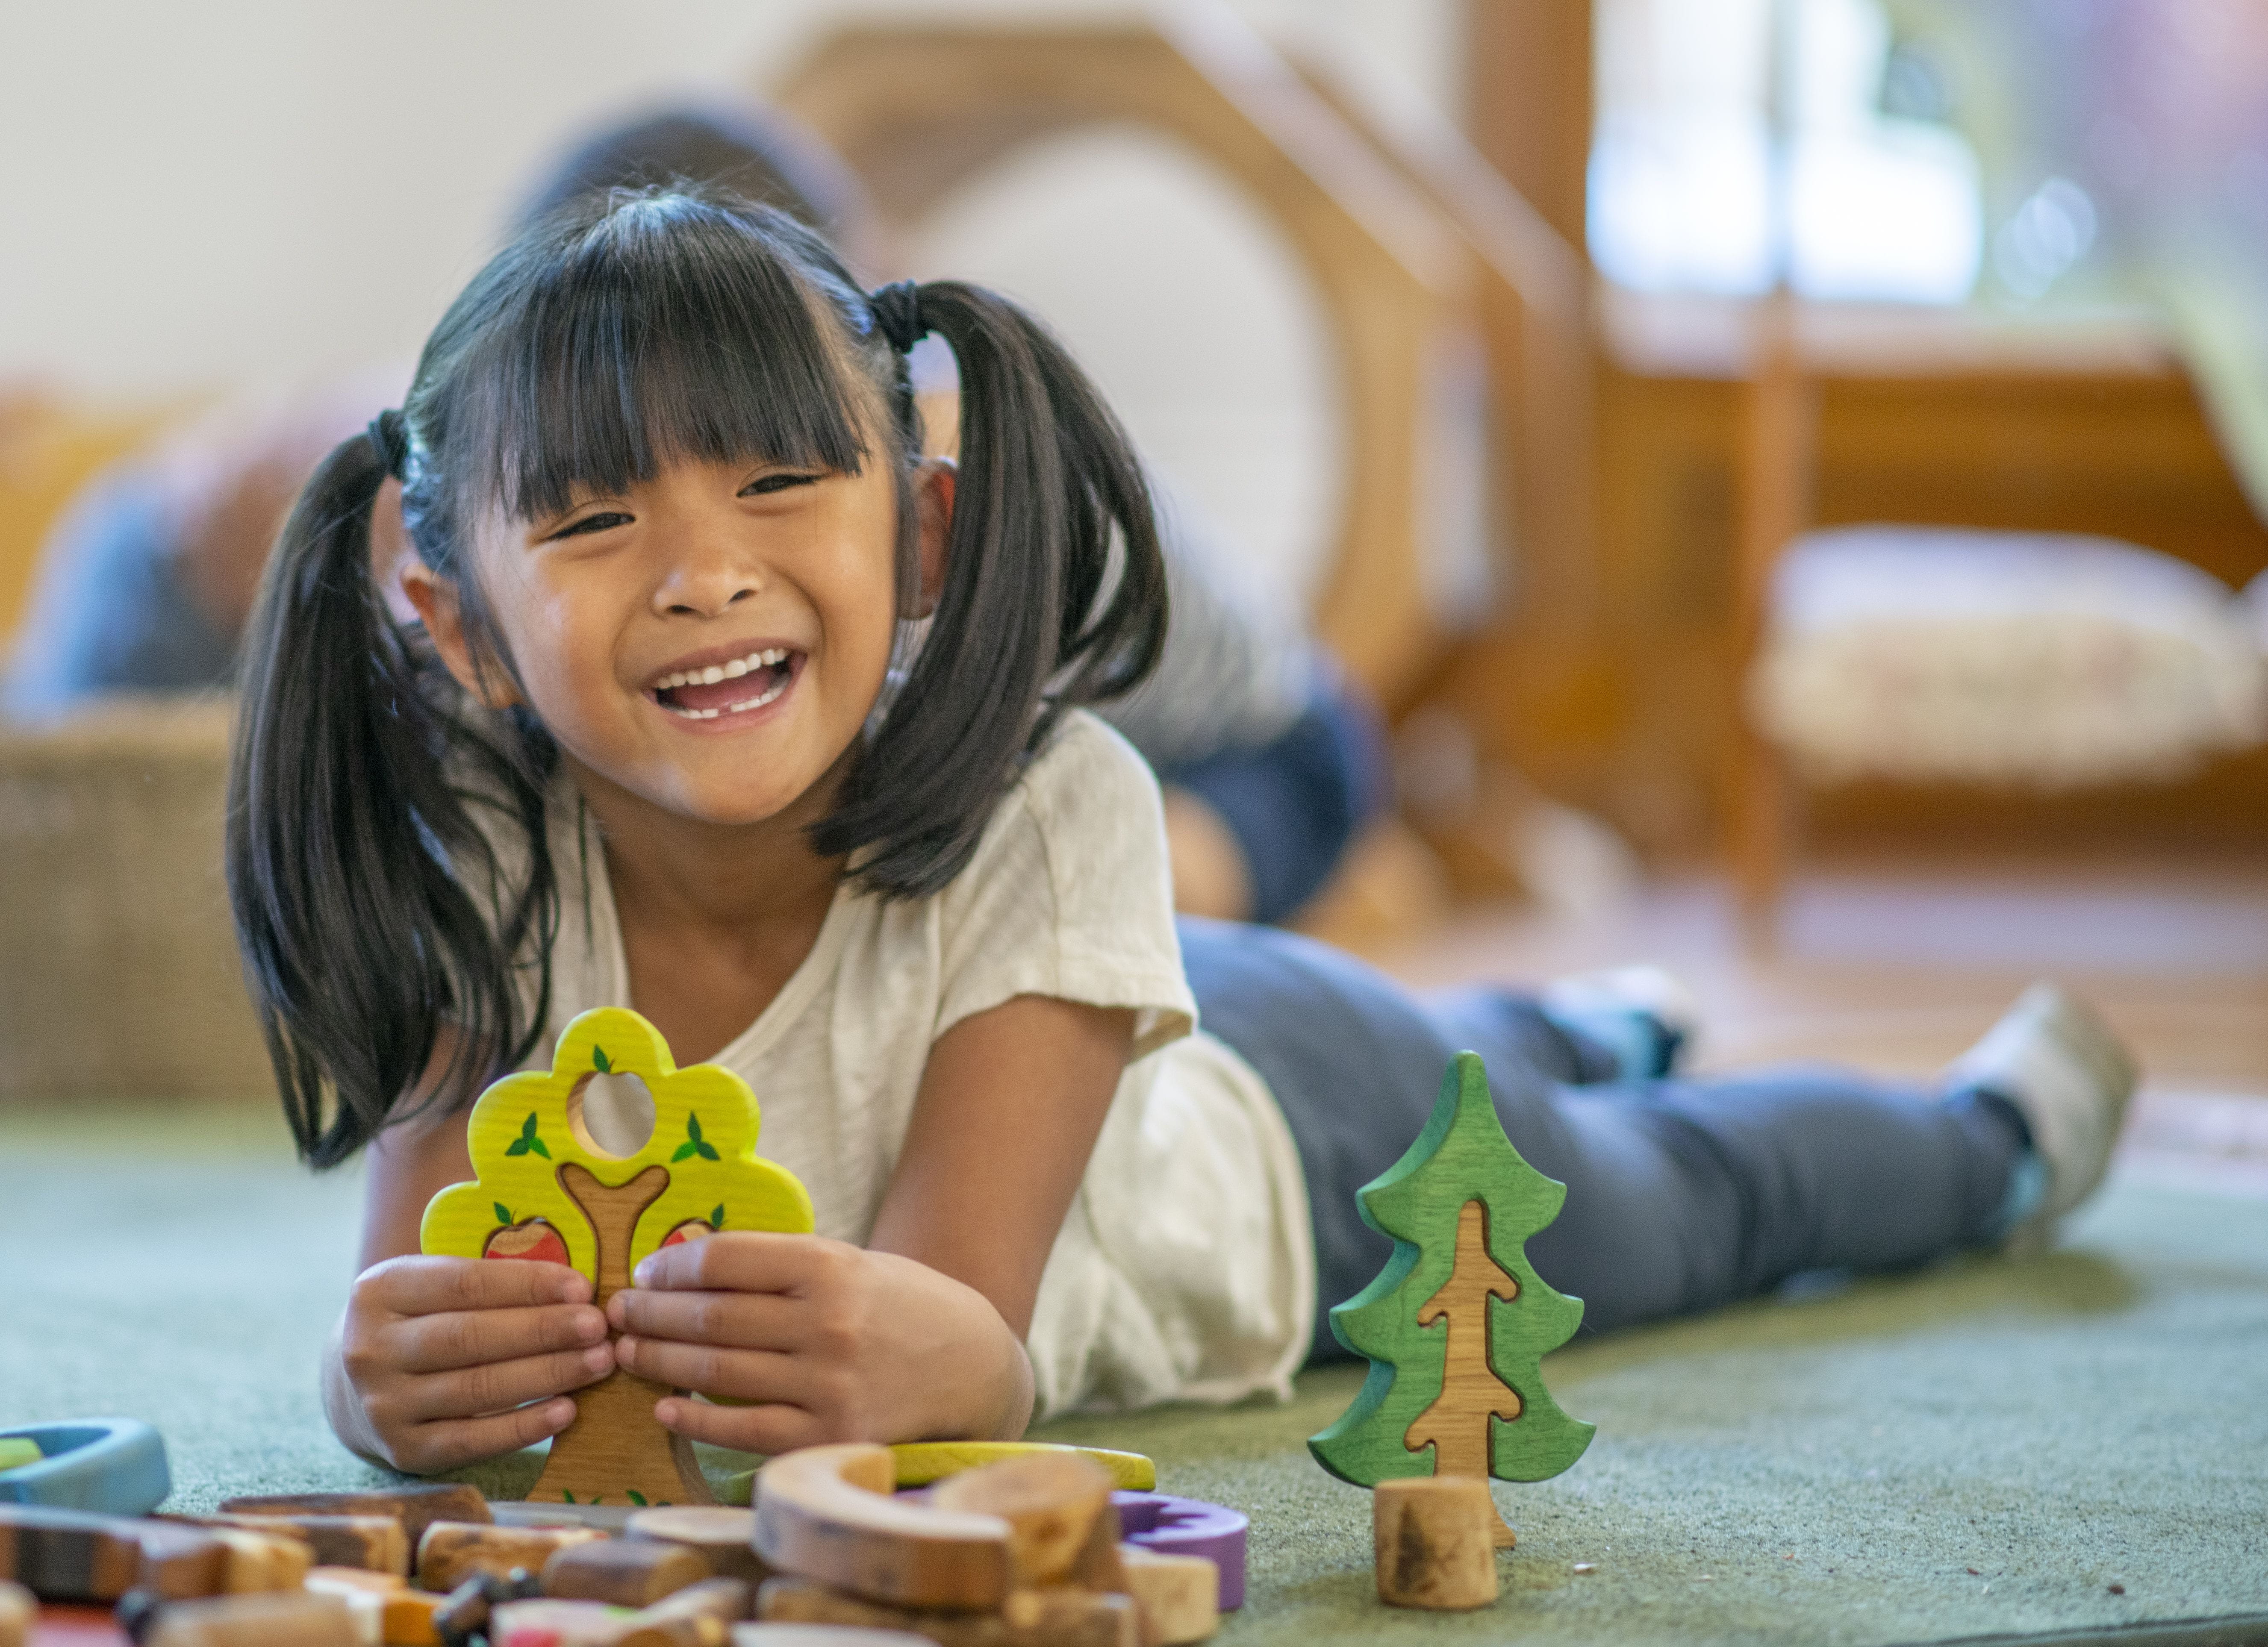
(766, 483)
(606, 520)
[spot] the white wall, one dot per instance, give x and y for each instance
(242, 191)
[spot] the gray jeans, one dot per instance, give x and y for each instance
(1681, 1195)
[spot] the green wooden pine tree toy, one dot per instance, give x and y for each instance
(1457, 1324)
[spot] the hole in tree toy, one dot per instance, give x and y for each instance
(1455, 1326)
(546, 1189)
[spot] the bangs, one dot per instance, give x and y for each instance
(667, 331)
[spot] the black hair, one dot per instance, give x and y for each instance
(388, 859)
(755, 153)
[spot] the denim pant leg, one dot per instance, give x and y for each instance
(1681, 1195)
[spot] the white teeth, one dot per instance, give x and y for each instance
(756, 702)
(714, 673)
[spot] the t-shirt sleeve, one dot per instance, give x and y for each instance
(1070, 896)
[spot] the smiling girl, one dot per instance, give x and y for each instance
(726, 706)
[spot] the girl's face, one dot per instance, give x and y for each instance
(710, 641)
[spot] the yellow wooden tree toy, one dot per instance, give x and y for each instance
(547, 1190)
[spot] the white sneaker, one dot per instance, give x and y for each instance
(1641, 1013)
(2069, 1075)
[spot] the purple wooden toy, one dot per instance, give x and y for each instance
(1188, 1526)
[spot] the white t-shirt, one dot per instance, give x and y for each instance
(1185, 1269)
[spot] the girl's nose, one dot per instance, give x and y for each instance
(707, 585)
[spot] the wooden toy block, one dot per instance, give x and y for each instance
(452, 1551)
(699, 1616)
(366, 1607)
(607, 1518)
(827, 1513)
(1457, 1324)
(73, 1555)
(255, 1562)
(626, 1572)
(920, 1462)
(417, 1508)
(547, 1188)
(113, 1467)
(407, 1619)
(298, 1618)
(1062, 1617)
(762, 1634)
(1178, 1597)
(545, 1622)
(464, 1612)
(374, 1542)
(1056, 1506)
(1435, 1536)
(17, 1608)
(1188, 1526)
(722, 1537)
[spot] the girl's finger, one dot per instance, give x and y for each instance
(472, 1338)
(740, 1375)
(775, 1427)
(744, 1321)
(444, 1445)
(501, 1386)
(739, 1260)
(423, 1285)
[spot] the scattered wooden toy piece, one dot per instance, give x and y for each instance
(113, 1467)
(408, 1618)
(609, 1519)
(1177, 1596)
(1188, 1526)
(537, 1163)
(1060, 1617)
(762, 1634)
(1435, 1539)
(720, 1536)
(296, 1618)
(920, 1462)
(1468, 1398)
(416, 1508)
(365, 1606)
(542, 1621)
(826, 1514)
(72, 1555)
(464, 1612)
(699, 1616)
(375, 1542)
(626, 1572)
(255, 1562)
(1061, 1526)
(451, 1551)
(18, 1607)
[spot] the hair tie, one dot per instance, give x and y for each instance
(389, 439)
(897, 313)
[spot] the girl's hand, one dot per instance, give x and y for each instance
(820, 1341)
(439, 1360)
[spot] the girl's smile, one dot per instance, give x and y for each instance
(701, 690)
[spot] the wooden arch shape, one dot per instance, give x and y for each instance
(918, 109)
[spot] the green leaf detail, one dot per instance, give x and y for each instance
(527, 1127)
(569, 1496)
(502, 1212)
(599, 1057)
(693, 1126)
(519, 1146)
(537, 1145)
(683, 1150)
(708, 1152)
(637, 1497)
(717, 1219)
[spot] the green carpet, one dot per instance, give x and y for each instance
(1828, 1467)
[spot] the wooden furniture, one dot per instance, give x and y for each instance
(918, 109)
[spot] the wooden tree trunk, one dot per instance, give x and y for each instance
(1457, 1423)
(615, 1448)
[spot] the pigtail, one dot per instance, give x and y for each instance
(1054, 595)
(347, 841)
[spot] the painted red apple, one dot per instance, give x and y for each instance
(691, 1230)
(531, 1238)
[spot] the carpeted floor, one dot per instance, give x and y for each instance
(2077, 1440)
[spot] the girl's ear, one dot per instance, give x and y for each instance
(443, 617)
(933, 488)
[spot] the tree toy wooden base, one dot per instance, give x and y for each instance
(1457, 1324)
(546, 1188)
